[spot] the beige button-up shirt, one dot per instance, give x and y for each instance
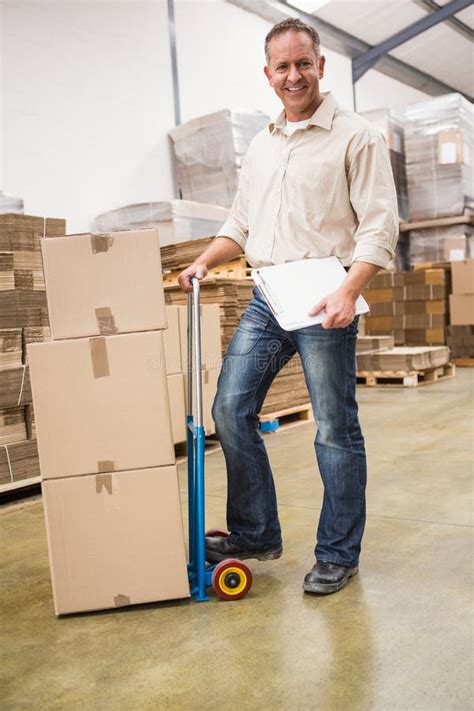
(325, 190)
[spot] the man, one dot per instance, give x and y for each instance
(316, 182)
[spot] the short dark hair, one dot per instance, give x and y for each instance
(292, 24)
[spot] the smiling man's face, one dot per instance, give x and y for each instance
(294, 72)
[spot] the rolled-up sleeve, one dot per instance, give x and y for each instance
(236, 226)
(373, 198)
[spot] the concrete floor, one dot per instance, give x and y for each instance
(397, 637)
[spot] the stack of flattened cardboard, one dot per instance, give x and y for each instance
(403, 359)
(22, 302)
(233, 296)
(439, 145)
(209, 151)
(103, 423)
(460, 334)
(177, 220)
(176, 355)
(438, 244)
(391, 123)
(180, 256)
(412, 306)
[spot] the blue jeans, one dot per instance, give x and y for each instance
(257, 352)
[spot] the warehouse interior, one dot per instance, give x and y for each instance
(123, 128)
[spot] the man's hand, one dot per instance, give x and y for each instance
(195, 270)
(339, 307)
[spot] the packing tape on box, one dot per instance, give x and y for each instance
(101, 243)
(121, 600)
(104, 466)
(100, 360)
(10, 471)
(22, 385)
(103, 481)
(105, 321)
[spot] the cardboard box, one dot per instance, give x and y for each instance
(404, 359)
(209, 389)
(427, 277)
(371, 343)
(411, 292)
(386, 280)
(420, 337)
(385, 323)
(115, 539)
(397, 308)
(461, 309)
(463, 277)
(211, 349)
(104, 284)
(101, 404)
(172, 341)
(177, 398)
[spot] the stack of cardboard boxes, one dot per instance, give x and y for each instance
(103, 423)
(176, 355)
(412, 306)
(438, 244)
(439, 147)
(460, 333)
(23, 318)
(209, 151)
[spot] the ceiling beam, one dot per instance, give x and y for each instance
(361, 64)
(453, 22)
(344, 43)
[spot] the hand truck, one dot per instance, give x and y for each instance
(231, 579)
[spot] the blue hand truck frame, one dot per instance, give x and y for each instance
(231, 578)
(199, 573)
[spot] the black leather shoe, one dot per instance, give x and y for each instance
(325, 578)
(219, 548)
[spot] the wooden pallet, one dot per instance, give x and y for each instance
(464, 362)
(298, 414)
(236, 269)
(411, 379)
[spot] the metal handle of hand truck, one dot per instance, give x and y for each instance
(194, 338)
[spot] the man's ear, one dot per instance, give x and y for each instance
(322, 63)
(266, 69)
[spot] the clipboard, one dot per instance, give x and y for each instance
(293, 288)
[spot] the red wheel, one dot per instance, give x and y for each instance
(231, 579)
(216, 533)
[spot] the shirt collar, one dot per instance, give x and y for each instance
(323, 116)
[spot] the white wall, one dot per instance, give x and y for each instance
(221, 59)
(377, 91)
(88, 97)
(87, 103)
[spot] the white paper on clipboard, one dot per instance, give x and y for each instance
(292, 289)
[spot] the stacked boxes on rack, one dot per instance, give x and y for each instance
(177, 220)
(438, 244)
(439, 136)
(209, 151)
(460, 334)
(412, 306)
(391, 122)
(176, 355)
(103, 423)
(23, 317)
